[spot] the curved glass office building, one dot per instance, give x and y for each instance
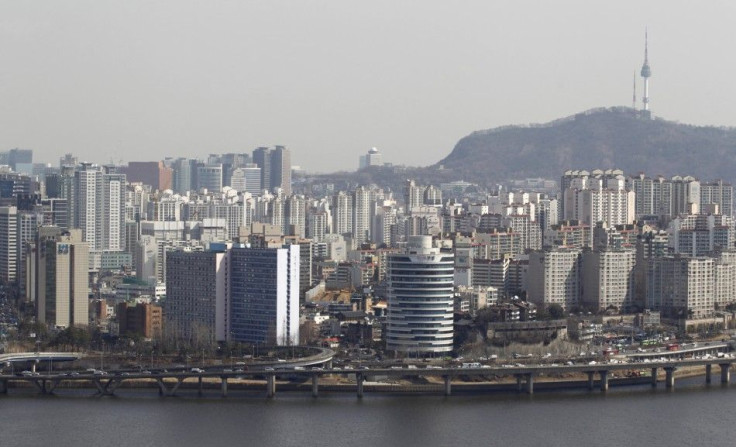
(420, 302)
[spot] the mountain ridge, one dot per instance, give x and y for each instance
(603, 138)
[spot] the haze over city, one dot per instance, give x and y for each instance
(141, 80)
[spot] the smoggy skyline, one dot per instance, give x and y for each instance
(141, 80)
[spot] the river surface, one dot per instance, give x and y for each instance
(692, 415)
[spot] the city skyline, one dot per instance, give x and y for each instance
(142, 81)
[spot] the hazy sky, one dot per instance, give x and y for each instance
(141, 80)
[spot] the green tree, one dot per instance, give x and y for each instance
(556, 311)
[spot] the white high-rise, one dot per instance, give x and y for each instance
(362, 214)
(99, 210)
(420, 300)
(343, 215)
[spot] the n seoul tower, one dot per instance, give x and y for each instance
(646, 72)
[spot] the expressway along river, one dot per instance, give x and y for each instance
(693, 414)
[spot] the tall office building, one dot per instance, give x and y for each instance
(420, 299)
(152, 173)
(264, 295)
(184, 175)
(281, 169)
(209, 177)
(196, 295)
(372, 158)
(275, 165)
(57, 278)
(262, 159)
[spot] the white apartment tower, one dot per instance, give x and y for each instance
(608, 279)
(343, 214)
(420, 299)
(554, 277)
(99, 210)
(8, 244)
(362, 214)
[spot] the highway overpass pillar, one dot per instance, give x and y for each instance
(359, 381)
(270, 385)
(725, 372)
(654, 377)
(530, 383)
(708, 369)
(315, 385)
(604, 380)
(224, 386)
(670, 377)
(519, 386)
(200, 384)
(448, 385)
(591, 379)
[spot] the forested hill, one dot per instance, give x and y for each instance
(597, 139)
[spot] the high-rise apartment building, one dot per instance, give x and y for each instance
(413, 195)
(99, 206)
(420, 298)
(608, 279)
(682, 287)
(717, 193)
(8, 244)
(362, 214)
(554, 277)
(343, 214)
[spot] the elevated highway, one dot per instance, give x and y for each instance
(169, 382)
(24, 357)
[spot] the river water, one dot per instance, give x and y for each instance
(693, 414)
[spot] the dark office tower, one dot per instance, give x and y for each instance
(13, 185)
(53, 185)
(281, 169)
(21, 160)
(153, 173)
(55, 212)
(262, 158)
